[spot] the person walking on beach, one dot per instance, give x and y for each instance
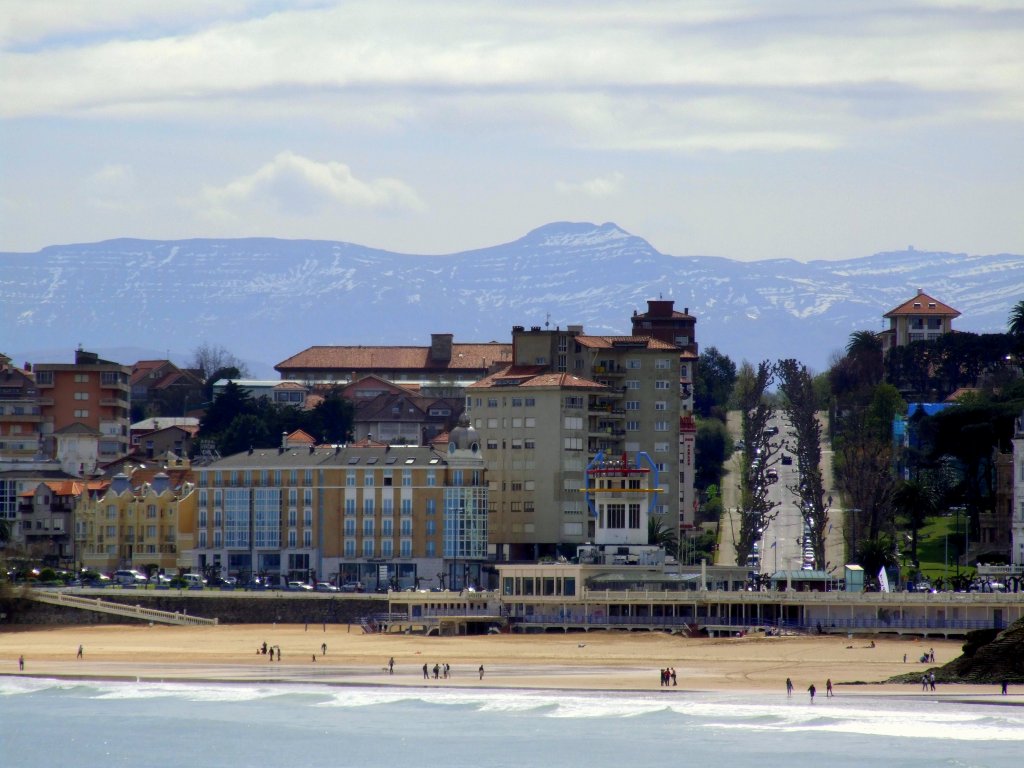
(81, 650)
(482, 677)
(789, 687)
(828, 688)
(931, 681)
(323, 649)
(673, 673)
(1003, 686)
(391, 665)
(21, 663)
(426, 674)
(812, 690)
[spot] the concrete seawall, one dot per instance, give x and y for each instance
(229, 608)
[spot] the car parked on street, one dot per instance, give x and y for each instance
(323, 586)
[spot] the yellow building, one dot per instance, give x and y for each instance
(141, 523)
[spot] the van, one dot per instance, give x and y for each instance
(192, 579)
(132, 576)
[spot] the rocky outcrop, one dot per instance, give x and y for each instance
(989, 656)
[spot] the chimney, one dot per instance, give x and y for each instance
(284, 439)
(441, 347)
(920, 291)
(312, 449)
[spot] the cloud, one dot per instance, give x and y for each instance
(601, 186)
(111, 188)
(297, 186)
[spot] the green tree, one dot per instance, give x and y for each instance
(1015, 322)
(660, 535)
(245, 431)
(715, 377)
(874, 554)
(915, 502)
(229, 404)
(712, 448)
(864, 349)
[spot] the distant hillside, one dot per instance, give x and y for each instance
(266, 299)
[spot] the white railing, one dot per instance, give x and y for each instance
(119, 609)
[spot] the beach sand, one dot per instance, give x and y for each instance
(580, 661)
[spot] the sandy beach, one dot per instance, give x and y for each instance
(592, 661)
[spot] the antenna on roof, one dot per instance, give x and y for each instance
(547, 319)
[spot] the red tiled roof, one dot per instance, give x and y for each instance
(464, 357)
(301, 436)
(610, 342)
(533, 376)
(923, 304)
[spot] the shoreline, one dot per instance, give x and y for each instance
(610, 662)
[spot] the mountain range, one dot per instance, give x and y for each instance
(266, 299)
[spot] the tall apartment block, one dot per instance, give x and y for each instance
(662, 321)
(566, 397)
(85, 411)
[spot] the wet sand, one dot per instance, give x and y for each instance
(590, 661)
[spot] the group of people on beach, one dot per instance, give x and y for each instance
(270, 649)
(441, 671)
(668, 676)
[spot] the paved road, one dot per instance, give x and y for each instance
(780, 546)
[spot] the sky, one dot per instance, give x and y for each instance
(749, 130)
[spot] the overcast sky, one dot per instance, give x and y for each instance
(751, 130)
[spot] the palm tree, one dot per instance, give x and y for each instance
(864, 349)
(1015, 322)
(661, 536)
(873, 555)
(916, 502)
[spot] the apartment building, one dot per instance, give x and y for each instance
(90, 392)
(46, 515)
(143, 521)
(366, 512)
(20, 416)
(921, 318)
(566, 397)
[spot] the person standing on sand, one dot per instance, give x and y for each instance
(391, 665)
(789, 687)
(673, 673)
(828, 688)
(1003, 686)
(426, 674)
(81, 650)
(323, 649)
(812, 690)
(482, 677)
(21, 663)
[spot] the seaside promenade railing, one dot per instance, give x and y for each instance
(119, 609)
(834, 625)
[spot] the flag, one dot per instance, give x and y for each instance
(883, 580)
(773, 544)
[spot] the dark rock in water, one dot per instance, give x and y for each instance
(989, 656)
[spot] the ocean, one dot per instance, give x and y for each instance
(102, 724)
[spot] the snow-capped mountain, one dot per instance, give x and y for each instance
(266, 299)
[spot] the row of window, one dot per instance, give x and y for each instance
(492, 402)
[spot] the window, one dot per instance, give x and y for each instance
(615, 515)
(387, 548)
(529, 444)
(662, 384)
(350, 506)
(684, 370)
(307, 518)
(632, 383)
(517, 443)
(634, 516)
(82, 414)
(574, 422)
(405, 526)
(292, 539)
(405, 548)
(573, 444)
(44, 377)
(387, 506)
(368, 526)
(492, 445)
(517, 402)
(663, 364)
(350, 547)
(517, 422)
(431, 478)
(387, 527)
(367, 506)
(81, 378)
(661, 447)
(632, 405)
(632, 426)
(633, 364)
(307, 538)
(530, 402)
(367, 547)
(350, 478)
(492, 402)
(530, 422)
(573, 401)
(660, 405)
(407, 478)
(431, 506)
(350, 527)
(492, 423)
(81, 395)
(368, 478)
(661, 426)
(406, 507)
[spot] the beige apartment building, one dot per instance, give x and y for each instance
(567, 398)
(85, 411)
(367, 512)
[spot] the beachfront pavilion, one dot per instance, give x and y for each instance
(574, 597)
